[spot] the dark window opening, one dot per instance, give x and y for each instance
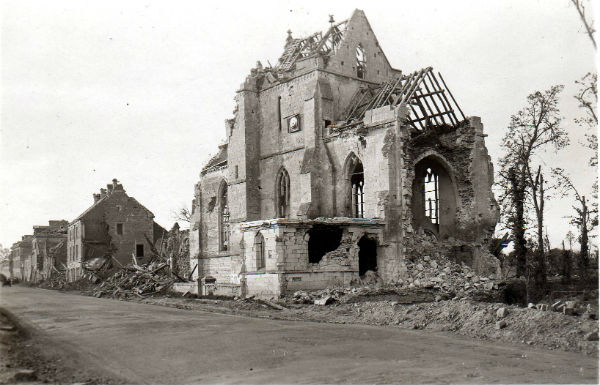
(283, 194)
(224, 221)
(327, 123)
(139, 250)
(119, 228)
(357, 181)
(367, 255)
(237, 175)
(323, 239)
(279, 112)
(361, 62)
(259, 249)
(432, 196)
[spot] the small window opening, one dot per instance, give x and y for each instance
(259, 250)
(323, 239)
(361, 62)
(432, 196)
(236, 172)
(357, 181)
(119, 228)
(279, 112)
(224, 221)
(283, 194)
(327, 123)
(139, 250)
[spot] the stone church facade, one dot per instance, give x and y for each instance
(335, 164)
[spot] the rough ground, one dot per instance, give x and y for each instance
(27, 357)
(469, 318)
(141, 343)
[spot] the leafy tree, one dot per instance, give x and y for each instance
(531, 130)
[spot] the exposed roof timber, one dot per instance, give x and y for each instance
(420, 90)
(315, 43)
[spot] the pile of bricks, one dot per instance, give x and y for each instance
(446, 276)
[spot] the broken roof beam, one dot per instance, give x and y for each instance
(333, 35)
(452, 96)
(431, 111)
(442, 96)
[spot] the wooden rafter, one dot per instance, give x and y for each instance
(420, 90)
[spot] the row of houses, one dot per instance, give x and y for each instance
(115, 224)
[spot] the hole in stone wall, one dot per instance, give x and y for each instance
(367, 255)
(323, 239)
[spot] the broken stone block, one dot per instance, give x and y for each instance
(591, 336)
(501, 324)
(433, 264)
(419, 267)
(427, 258)
(530, 306)
(571, 304)
(324, 301)
(488, 285)
(24, 375)
(502, 312)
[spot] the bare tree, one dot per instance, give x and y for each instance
(182, 214)
(586, 219)
(588, 24)
(587, 96)
(530, 131)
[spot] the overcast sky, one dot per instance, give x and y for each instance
(139, 91)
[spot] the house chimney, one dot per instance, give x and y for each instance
(102, 192)
(97, 197)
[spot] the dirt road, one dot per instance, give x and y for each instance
(139, 343)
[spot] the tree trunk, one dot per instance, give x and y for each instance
(583, 253)
(518, 221)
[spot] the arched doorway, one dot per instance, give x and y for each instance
(367, 255)
(433, 197)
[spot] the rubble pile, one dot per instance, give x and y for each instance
(438, 275)
(134, 280)
(446, 276)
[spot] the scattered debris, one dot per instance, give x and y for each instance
(324, 301)
(591, 336)
(502, 312)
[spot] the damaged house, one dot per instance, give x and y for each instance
(336, 164)
(115, 225)
(20, 255)
(49, 250)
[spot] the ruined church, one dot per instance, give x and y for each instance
(336, 164)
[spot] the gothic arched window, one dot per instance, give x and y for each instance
(259, 251)
(283, 194)
(361, 62)
(432, 196)
(357, 182)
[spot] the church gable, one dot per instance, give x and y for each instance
(359, 54)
